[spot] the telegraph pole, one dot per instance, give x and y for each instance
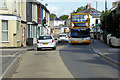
(96, 22)
(105, 14)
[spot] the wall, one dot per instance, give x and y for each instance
(51, 24)
(57, 23)
(38, 14)
(92, 21)
(29, 11)
(11, 8)
(34, 12)
(41, 14)
(12, 40)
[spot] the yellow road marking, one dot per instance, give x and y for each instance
(107, 53)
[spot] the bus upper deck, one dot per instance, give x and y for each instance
(80, 31)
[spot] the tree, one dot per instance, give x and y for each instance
(80, 9)
(103, 21)
(112, 23)
(73, 12)
(64, 17)
(52, 15)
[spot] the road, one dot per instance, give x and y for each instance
(77, 61)
(83, 63)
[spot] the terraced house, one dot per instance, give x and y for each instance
(36, 12)
(12, 23)
(19, 20)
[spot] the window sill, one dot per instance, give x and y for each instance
(18, 40)
(4, 41)
(3, 8)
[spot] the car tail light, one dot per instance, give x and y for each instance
(58, 37)
(37, 40)
(66, 37)
(52, 41)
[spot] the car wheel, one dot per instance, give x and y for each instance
(110, 43)
(39, 49)
(54, 48)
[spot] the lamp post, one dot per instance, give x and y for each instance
(105, 14)
(96, 20)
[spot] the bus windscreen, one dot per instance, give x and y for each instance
(80, 24)
(80, 33)
(79, 18)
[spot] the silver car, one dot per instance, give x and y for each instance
(63, 37)
(46, 41)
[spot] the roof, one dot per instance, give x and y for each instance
(91, 11)
(55, 19)
(64, 26)
(38, 3)
(85, 11)
(116, 7)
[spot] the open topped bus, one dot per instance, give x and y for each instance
(80, 28)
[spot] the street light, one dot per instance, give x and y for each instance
(105, 14)
(96, 22)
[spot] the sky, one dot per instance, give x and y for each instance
(65, 7)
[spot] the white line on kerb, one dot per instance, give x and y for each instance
(9, 67)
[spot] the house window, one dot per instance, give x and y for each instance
(4, 30)
(18, 30)
(2, 3)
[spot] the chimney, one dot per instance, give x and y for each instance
(54, 18)
(88, 6)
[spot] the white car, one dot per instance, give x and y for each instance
(46, 41)
(63, 37)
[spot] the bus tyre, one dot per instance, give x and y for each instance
(72, 43)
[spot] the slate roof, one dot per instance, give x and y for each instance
(89, 10)
(56, 19)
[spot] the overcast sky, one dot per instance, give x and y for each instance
(61, 7)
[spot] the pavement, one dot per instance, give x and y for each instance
(9, 58)
(42, 64)
(109, 53)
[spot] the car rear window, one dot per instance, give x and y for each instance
(62, 35)
(45, 37)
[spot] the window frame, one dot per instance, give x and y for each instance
(5, 31)
(5, 4)
(18, 32)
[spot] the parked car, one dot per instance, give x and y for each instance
(46, 41)
(113, 41)
(63, 37)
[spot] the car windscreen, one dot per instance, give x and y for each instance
(80, 33)
(62, 35)
(45, 37)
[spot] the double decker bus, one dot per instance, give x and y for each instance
(80, 28)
